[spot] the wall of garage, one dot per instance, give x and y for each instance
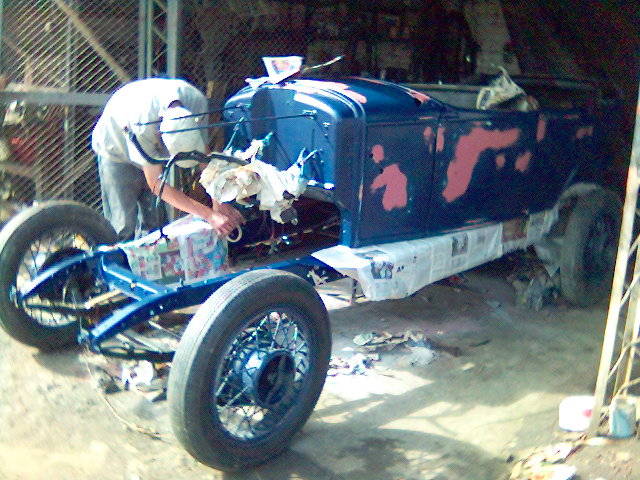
(62, 58)
(599, 40)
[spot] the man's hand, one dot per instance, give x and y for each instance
(222, 217)
(225, 219)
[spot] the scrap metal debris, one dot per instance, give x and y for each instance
(358, 364)
(534, 287)
(547, 463)
(423, 349)
(374, 341)
(536, 292)
(132, 426)
(110, 376)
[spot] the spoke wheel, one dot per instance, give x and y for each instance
(262, 374)
(249, 369)
(30, 243)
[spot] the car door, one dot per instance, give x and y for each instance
(484, 162)
(397, 173)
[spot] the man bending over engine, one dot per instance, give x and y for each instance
(128, 182)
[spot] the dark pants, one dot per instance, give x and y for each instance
(127, 201)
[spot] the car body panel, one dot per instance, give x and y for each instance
(402, 165)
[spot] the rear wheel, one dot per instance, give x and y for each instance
(33, 241)
(588, 253)
(249, 369)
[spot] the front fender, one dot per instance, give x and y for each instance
(55, 277)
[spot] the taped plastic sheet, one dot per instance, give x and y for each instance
(190, 252)
(275, 190)
(500, 90)
(396, 270)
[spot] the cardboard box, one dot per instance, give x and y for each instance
(189, 252)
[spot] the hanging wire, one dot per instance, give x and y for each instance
(217, 110)
(309, 114)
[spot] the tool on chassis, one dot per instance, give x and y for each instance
(402, 187)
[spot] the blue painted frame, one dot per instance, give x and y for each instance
(109, 264)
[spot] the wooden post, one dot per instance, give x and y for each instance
(617, 288)
(89, 36)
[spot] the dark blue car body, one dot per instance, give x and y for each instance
(404, 163)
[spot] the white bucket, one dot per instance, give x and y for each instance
(574, 413)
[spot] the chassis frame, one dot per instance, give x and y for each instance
(109, 265)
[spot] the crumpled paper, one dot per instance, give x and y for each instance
(225, 181)
(547, 463)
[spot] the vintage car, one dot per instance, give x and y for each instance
(395, 186)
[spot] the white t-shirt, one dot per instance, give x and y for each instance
(138, 102)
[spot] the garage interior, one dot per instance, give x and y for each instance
(485, 394)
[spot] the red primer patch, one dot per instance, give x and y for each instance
(377, 153)
(500, 160)
(358, 97)
(371, 80)
(428, 136)
(440, 139)
(340, 87)
(468, 153)
(522, 162)
(475, 221)
(344, 89)
(421, 97)
(395, 185)
(542, 128)
(584, 132)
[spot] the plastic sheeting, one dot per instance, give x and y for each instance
(275, 189)
(396, 270)
(504, 92)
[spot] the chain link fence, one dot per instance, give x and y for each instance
(399, 40)
(224, 41)
(60, 60)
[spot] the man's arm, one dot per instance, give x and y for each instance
(223, 218)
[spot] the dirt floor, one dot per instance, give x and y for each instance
(466, 415)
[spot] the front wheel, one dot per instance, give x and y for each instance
(249, 369)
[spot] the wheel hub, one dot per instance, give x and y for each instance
(269, 376)
(79, 281)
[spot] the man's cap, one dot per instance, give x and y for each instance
(177, 141)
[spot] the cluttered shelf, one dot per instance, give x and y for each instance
(17, 169)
